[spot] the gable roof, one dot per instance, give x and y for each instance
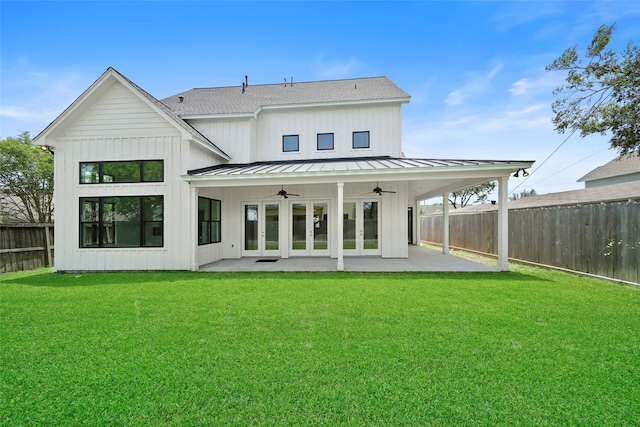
(232, 100)
(162, 109)
(621, 165)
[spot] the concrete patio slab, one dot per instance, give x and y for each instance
(420, 259)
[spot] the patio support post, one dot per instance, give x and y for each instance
(193, 228)
(340, 224)
(503, 224)
(418, 223)
(445, 223)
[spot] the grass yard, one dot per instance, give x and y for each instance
(527, 347)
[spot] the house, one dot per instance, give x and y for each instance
(277, 170)
(624, 168)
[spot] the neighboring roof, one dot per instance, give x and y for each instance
(171, 115)
(345, 164)
(604, 193)
(621, 165)
(232, 100)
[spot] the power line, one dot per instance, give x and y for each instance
(571, 165)
(545, 161)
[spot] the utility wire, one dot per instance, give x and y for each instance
(545, 161)
(571, 165)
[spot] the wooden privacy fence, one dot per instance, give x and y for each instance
(25, 246)
(601, 239)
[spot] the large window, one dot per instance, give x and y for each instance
(361, 139)
(121, 222)
(121, 171)
(325, 141)
(208, 221)
(291, 143)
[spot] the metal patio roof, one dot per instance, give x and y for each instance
(427, 178)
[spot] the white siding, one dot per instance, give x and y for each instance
(119, 126)
(233, 136)
(382, 121)
(118, 112)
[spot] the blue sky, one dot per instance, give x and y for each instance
(475, 70)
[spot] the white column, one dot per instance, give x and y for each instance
(418, 223)
(503, 224)
(193, 228)
(340, 224)
(445, 223)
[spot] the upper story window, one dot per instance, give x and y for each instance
(121, 171)
(290, 143)
(325, 141)
(361, 139)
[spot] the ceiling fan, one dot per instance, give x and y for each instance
(379, 190)
(284, 193)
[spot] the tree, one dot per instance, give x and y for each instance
(523, 193)
(26, 181)
(464, 196)
(602, 95)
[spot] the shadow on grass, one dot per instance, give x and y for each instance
(49, 278)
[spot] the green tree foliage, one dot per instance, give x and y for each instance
(461, 198)
(601, 93)
(523, 193)
(26, 181)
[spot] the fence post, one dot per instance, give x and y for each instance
(48, 246)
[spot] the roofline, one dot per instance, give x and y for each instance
(294, 83)
(403, 100)
(506, 166)
(145, 97)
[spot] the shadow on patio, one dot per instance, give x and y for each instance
(420, 259)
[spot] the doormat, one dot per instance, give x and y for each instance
(267, 260)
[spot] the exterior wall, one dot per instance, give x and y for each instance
(382, 121)
(141, 134)
(393, 216)
(250, 140)
(613, 180)
(233, 136)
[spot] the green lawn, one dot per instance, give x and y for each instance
(528, 347)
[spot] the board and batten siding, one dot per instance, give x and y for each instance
(233, 135)
(382, 121)
(120, 126)
(118, 112)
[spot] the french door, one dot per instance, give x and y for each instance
(261, 229)
(361, 227)
(309, 231)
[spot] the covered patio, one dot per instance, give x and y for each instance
(420, 259)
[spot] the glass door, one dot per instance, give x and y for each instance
(261, 229)
(309, 228)
(361, 227)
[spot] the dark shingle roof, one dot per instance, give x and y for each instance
(231, 100)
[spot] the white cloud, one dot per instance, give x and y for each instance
(336, 69)
(476, 84)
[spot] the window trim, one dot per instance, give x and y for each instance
(297, 144)
(353, 139)
(101, 163)
(210, 222)
(100, 223)
(333, 145)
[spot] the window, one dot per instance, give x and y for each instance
(361, 139)
(290, 143)
(325, 141)
(208, 221)
(121, 171)
(121, 222)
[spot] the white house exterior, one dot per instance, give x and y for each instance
(286, 170)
